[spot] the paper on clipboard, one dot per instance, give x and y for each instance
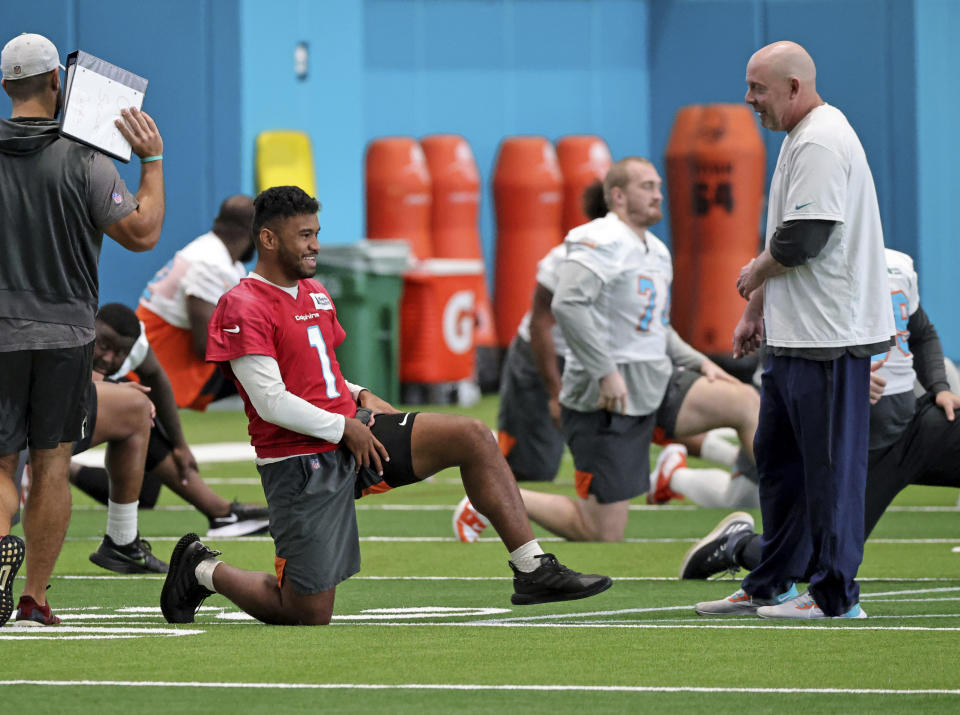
(95, 92)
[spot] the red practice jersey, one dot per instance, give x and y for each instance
(256, 318)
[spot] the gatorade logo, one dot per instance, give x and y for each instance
(458, 321)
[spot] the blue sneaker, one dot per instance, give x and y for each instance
(741, 602)
(803, 606)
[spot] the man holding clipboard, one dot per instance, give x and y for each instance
(57, 199)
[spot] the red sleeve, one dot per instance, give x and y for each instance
(240, 325)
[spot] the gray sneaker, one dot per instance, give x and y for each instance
(740, 603)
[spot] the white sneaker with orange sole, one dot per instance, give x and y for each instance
(468, 523)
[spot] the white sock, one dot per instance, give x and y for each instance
(706, 487)
(122, 522)
(525, 558)
(204, 572)
(717, 449)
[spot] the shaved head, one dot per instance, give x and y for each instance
(782, 85)
(786, 60)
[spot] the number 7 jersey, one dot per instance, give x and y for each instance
(301, 334)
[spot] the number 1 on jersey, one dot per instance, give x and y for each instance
(315, 338)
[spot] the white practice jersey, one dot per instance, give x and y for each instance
(897, 363)
(202, 269)
(547, 277)
(840, 297)
(633, 309)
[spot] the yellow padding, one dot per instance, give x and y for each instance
(285, 158)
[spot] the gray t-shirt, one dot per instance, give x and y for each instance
(57, 197)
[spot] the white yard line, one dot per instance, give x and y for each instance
(482, 688)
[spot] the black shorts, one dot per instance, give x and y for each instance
(89, 421)
(44, 392)
(310, 499)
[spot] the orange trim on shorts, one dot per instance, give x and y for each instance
(506, 441)
(582, 482)
(279, 564)
(660, 436)
(378, 488)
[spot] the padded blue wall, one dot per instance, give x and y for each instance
(221, 71)
(938, 178)
(187, 50)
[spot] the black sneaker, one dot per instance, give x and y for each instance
(182, 594)
(552, 581)
(711, 556)
(11, 559)
(135, 557)
(241, 520)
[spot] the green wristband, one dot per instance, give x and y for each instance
(148, 159)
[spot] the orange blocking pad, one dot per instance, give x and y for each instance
(438, 319)
(715, 177)
(398, 193)
(527, 191)
(584, 159)
(454, 223)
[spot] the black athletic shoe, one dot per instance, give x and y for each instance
(11, 558)
(710, 555)
(135, 557)
(182, 594)
(242, 520)
(552, 581)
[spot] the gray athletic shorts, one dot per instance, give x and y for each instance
(611, 453)
(680, 383)
(530, 442)
(310, 500)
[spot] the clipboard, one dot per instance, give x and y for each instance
(94, 93)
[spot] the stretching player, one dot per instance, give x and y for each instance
(912, 441)
(177, 303)
(121, 347)
(530, 389)
(698, 395)
(322, 442)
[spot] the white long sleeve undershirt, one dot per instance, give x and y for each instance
(261, 380)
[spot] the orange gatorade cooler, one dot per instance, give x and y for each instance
(455, 231)
(584, 159)
(528, 196)
(437, 320)
(715, 178)
(398, 193)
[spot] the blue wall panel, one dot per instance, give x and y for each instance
(185, 81)
(328, 104)
(487, 70)
(938, 178)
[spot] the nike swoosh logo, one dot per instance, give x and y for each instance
(230, 518)
(800, 206)
(402, 422)
(234, 329)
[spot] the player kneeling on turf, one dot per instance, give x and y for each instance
(322, 442)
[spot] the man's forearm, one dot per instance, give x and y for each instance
(766, 266)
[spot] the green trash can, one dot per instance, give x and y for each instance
(365, 280)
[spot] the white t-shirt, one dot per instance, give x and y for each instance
(839, 298)
(202, 269)
(897, 363)
(632, 310)
(547, 277)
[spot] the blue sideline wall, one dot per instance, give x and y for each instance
(188, 51)
(221, 71)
